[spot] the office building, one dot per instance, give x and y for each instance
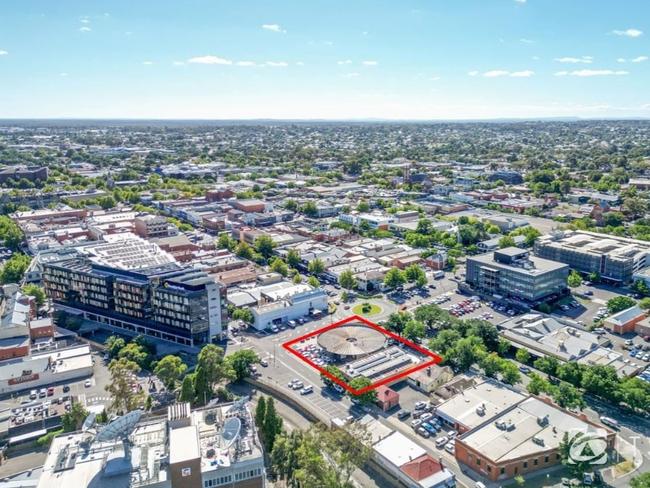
(513, 273)
(614, 259)
(17, 173)
(131, 284)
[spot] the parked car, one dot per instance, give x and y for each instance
(264, 363)
(524, 369)
(423, 432)
(416, 423)
(402, 414)
(441, 441)
(33, 395)
(420, 405)
(450, 447)
(66, 388)
(50, 391)
(306, 390)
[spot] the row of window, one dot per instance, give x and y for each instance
(525, 464)
(252, 473)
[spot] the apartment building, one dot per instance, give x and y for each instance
(514, 273)
(133, 285)
(615, 259)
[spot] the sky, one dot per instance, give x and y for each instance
(324, 59)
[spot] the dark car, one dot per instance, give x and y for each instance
(402, 414)
(66, 388)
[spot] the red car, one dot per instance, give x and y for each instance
(50, 391)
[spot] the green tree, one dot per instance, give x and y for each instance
(641, 481)
(574, 279)
(365, 398)
(641, 287)
(644, 303)
(507, 241)
(291, 205)
(414, 273)
(523, 356)
(548, 365)
(334, 371)
(509, 372)
(260, 411)
(35, 291)
(619, 303)
(414, 330)
(123, 373)
(568, 396)
(313, 281)
(114, 345)
(397, 321)
(134, 352)
(272, 425)
(310, 209)
(169, 370)
(211, 362)
(187, 389)
(264, 245)
(74, 419)
(293, 258)
(347, 280)
(537, 384)
(394, 278)
(226, 242)
(241, 362)
(244, 251)
(10, 234)
(491, 364)
(316, 267)
(280, 267)
(14, 268)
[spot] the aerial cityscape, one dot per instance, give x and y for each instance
(331, 245)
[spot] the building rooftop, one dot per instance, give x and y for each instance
(530, 427)
(475, 405)
(522, 261)
(399, 449)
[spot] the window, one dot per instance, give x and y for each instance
(489, 468)
(546, 459)
(186, 472)
(502, 471)
(478, 462)
(525, 464)
(535, 462)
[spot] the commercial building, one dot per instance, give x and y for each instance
(279, 302)
(615, 259)
(17, 173)
(625, 321)
(206, 448)
(514, 273)
(131, 284)
(544, 335)
(409, 463)
(523, 438)
(152, 226)
(45, 368)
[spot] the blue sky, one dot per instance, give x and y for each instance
(393, 59)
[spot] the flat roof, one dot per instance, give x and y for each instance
(398, 449)
(526, 423)
(184, 444)
(462, 408)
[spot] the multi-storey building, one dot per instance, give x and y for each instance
(132, 284)
(514, 273)
(615, 259)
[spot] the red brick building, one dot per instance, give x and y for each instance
(387, 398)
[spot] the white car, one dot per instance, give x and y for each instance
(450, 447)
(88, 384)
(306, 390)
(441, 441)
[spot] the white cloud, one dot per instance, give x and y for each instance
(592, 72)
(434, 78)
(369, 63)
(273, 28)
(276, 64)
(245, 63)
(495, 73)
(621, 60)
(628, 32)
(639, 59)
(85, 29)
(208, 60)
(63, 74)
(178, 63)
(3, 52)
(147, 63)
(520, 1)
(526, 41)
(299, 63)
(498, 73)
(572, 60)
(85, 21)
(351, 75)
(345, 61)
(522, 74)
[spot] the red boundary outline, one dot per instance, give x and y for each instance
(435, 359)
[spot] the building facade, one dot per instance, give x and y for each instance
(513, 273)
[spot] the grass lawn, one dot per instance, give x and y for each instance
(368, 312)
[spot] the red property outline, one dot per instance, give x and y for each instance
(435, 359)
